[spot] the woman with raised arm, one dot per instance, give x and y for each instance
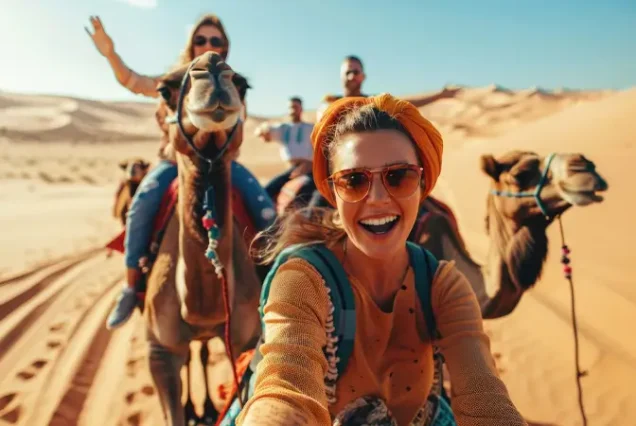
(207, 34)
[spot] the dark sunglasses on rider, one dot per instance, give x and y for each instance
(400, 181)
(354, 72)
(214, 41)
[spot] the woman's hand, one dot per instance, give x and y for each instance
(103, 42)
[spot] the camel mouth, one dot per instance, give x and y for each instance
(216, 119)
(582, 198)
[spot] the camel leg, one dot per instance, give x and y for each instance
(210, 415)
(165, 368)
(190, 413)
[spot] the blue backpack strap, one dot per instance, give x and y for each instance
(340, 293)
(424, 266)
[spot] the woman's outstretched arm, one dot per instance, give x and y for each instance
(136, 83)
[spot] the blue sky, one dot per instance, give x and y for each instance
(294, 47)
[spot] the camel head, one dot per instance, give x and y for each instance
(210, 106)
(527, 192)
(525, 185)
(134, 168)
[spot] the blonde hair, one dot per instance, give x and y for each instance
(309, 225)
(187, 54)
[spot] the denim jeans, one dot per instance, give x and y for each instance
(147, 200)
(143, 208)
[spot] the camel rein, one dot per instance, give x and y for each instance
(567, 270)
(209, 220)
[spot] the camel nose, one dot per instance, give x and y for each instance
(216, 64)
(601, 184)
(219, 95)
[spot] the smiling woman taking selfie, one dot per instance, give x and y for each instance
(375, 160)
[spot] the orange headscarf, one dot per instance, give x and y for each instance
(427, 137)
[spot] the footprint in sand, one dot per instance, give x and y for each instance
(57, 327)
(53, 344)
(134, 419)
(37, 364)
(29, 373)
(131, 370)
(148, 390)
(12, 416)
(25, 375)
(6, 400)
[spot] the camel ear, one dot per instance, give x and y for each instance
(123, 164)
(241, 84)
(170, 83)
(490, 166)
(173, 78)
(165, 92)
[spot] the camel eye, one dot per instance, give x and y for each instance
(165, 93)
(524, 177)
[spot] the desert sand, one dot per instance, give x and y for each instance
(58, 174)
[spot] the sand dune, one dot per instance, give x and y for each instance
(58, 173)
(49, 118)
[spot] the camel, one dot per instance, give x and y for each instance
(135, 169)
(516, 222)
(192, 285)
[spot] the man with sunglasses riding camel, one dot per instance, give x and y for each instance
(207, 34)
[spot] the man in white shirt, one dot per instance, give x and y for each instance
(294, 138)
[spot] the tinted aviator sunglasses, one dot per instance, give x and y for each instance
(214, 41)
(400, 181)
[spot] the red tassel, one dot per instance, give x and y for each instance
(208, 222)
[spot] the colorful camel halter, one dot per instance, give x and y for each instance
(567, 269)
(536, 194)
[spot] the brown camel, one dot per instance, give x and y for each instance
(185, 292)
(135, 169)
(516, 222)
